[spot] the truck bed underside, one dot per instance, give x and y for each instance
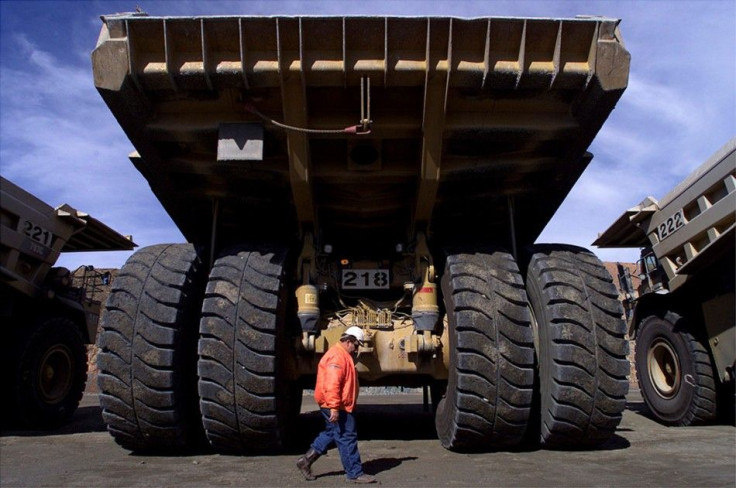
(469, 119)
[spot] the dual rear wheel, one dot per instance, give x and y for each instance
(566, 310)
(542, 357)
(148, 351)
(178, 366)
(245, 400)
(582, 347)
(489, 390)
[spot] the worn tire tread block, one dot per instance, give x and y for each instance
(583, 365)
(238, 368)
(147, 343)
(489, 394)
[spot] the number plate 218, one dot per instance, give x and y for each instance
(365, 279)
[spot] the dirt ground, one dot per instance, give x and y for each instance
(398, 445)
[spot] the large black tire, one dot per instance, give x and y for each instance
(148, 356)
(246, 403)
(489, 389)
(675, 372)
(582, 347)
(50, 374)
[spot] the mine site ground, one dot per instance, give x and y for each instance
(398, 445)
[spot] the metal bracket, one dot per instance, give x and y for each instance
(240, 142)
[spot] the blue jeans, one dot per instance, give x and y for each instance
(345, 435)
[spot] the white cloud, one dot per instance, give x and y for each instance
(679, 108)
(59, 142)
(663, 103)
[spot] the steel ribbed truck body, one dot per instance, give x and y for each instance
(683, 305)
(46, 320)
(359, 171)
(466, 114)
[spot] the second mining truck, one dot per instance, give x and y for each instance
(46, 318)
(681, 312)
(389, 173)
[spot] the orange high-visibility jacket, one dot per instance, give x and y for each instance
(337, 382)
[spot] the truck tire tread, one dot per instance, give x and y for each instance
(489, 393)
(582, 355)
(147, 378)
(241, 334)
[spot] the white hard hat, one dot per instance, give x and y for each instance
(356, 332)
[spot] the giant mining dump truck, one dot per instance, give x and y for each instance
(389, 173)
(682, 311)
(47, 318)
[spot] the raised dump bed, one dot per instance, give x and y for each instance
(467, 117)
(390, 173)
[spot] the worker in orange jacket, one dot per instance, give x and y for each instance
(336, 392)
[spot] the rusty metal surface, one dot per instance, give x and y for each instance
(466, 115)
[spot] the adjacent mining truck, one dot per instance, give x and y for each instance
(387, 173)
(46, 319)
(682, 311)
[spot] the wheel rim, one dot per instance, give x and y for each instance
(55, 374)
(664, 369)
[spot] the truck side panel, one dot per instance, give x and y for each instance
(692, 222)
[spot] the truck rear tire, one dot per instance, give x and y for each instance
(489, 390)
(675, 372)
(148, 351)
(582, 347)
(246, 403)
(51, 374)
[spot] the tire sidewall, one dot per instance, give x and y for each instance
(288, 392)
(651, 331)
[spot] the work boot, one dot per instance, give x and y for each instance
(363, 479)
(305, 462)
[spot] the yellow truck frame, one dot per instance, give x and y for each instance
(391, 173)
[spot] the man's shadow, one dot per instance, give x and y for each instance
(373, 467)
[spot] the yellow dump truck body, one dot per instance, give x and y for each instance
(468, 118)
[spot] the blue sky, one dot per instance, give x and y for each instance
(60, 142)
